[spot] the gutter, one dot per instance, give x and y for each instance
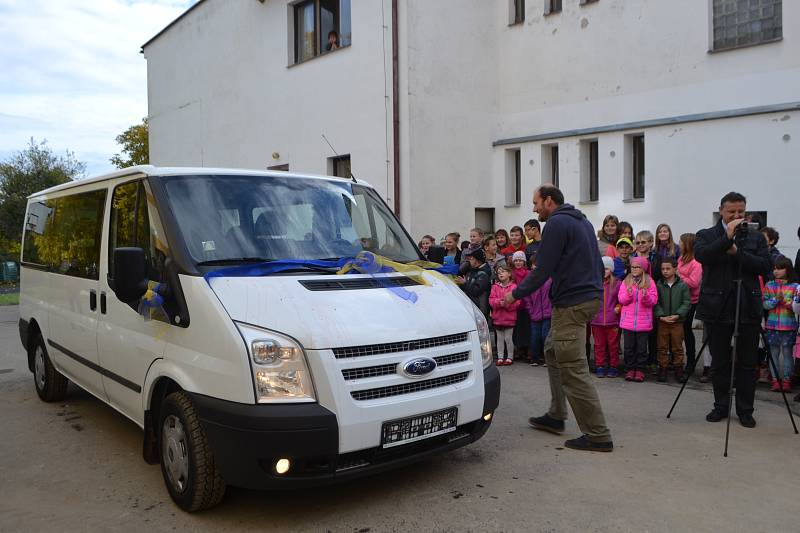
(395, 109)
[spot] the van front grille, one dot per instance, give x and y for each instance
(408, 388)
(394, 347)
(389, 369)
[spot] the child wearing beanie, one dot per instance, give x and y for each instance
(605, 325)
(637, 296)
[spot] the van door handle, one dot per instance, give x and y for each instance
(103, 302)
(92, 300)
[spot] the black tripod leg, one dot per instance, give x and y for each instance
(775, 374)
(731, 397)
(689, 373)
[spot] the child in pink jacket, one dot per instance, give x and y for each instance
(605, 325)
(637, 296)
(504, 316)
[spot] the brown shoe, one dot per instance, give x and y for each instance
(704, 377)
(679, 375)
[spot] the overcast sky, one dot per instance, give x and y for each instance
(71, 72)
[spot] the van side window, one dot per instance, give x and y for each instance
(134, 223)
(63, 234)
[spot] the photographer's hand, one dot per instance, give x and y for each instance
(732, 225)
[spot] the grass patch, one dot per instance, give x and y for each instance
(11, 298)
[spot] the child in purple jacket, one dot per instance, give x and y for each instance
(537, 305)
(605, 325)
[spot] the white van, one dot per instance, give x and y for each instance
(247, 374)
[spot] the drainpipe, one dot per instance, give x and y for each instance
(395, 110)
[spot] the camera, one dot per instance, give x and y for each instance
(746, 227)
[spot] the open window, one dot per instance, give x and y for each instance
(320, 27)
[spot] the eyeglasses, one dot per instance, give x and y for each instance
(642, 242)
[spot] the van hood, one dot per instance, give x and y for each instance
(324, 319)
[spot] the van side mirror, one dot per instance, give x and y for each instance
(130, 273)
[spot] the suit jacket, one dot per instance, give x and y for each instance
(717, 301)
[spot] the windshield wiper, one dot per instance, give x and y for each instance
(234, 260)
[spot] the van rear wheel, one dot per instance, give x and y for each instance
(187, 462)
(51, 385)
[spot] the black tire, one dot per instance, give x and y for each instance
(51, 385)
(187, 463)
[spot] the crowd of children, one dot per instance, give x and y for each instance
(651, 286)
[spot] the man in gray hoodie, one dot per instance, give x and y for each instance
(569, 255)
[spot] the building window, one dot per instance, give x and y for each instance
(552, 6)
(516, 11)
(589, 171)
(340, 166)
(550, 164)
(738, 23)
(513, 177)
(634, 166)
(284, 167)
(320, 26)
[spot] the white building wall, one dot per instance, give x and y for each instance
(620, 61)
(221, 92)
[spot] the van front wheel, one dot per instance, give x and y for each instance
(187, 462)
(50, 385)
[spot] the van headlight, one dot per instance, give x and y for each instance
(280, 369)
(484, 336)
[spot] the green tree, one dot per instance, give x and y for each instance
(30, 170)
(135, 146)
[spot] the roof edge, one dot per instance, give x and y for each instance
(171, 24)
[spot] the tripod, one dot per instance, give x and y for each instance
(734, 353)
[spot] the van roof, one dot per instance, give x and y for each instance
(153, 171)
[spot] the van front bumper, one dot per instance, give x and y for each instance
(247, 440)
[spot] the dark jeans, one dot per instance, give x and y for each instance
(652, 343)
(746, 358)
(688, 338)
(539, 331)
(635, 349)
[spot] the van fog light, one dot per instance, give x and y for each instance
(487, 417)
(282, 466)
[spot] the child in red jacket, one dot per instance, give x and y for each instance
(504, 316)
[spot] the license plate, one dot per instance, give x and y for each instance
(405, 430)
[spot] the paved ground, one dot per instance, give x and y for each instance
(77, 466)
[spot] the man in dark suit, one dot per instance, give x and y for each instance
(724, 250)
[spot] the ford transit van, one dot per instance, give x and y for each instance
(211, 308)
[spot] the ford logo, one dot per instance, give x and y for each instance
(421, 366)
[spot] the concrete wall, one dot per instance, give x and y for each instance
(221, 92)
(617, 61)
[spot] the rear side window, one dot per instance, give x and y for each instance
(134, 223)
(63, 234)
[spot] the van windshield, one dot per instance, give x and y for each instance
(225, 218)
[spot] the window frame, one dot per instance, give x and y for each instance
(638, 166)
(516, 12)
(56, 218)
(552, 7)
(319, 40)
(712, 44)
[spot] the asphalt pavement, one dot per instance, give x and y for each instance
(77, 466)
